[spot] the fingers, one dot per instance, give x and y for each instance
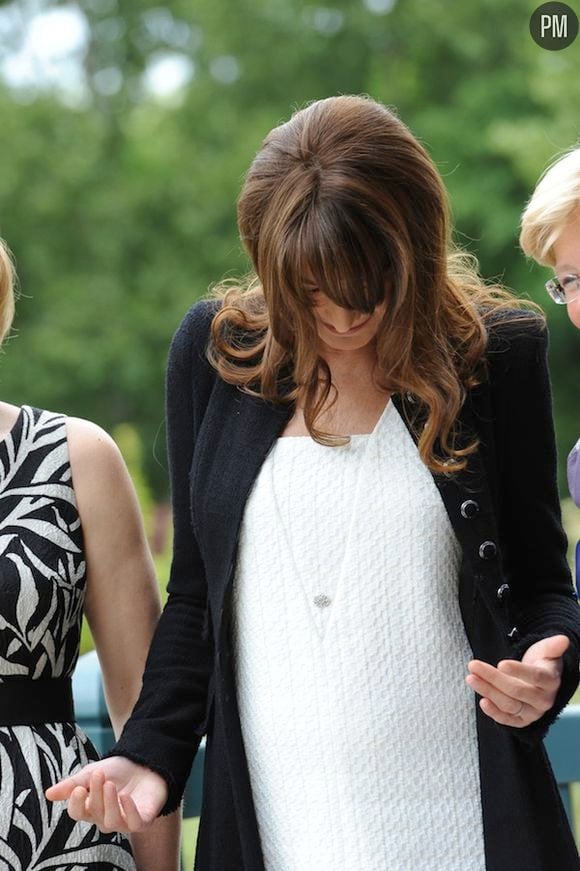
(104, 807)
(517, 693)
(63, 790)
(509, 704)
(119, 812)
(525, 717)
(114, 819)
(115, 794)
(77, 804)
(134, 819)
(509, 691)
(543, 675)
(95, 803)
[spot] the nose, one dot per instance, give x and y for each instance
(342, 319)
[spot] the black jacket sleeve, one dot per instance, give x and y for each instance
(531, 533)
(165, 727)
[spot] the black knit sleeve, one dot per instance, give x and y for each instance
(533, 542)
(164, 730)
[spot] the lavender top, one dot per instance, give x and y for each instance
(574, 473)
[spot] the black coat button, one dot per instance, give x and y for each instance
(503, 592)
(487, 550)
(469, 509)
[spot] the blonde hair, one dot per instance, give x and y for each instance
(6, 290)
(344, 193)
(554, 201)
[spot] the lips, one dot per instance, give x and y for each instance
(346, 332)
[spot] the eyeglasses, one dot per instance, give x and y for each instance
(564, 291)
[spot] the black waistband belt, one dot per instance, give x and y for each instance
(27, 702)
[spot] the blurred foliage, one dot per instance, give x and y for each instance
(120, 207)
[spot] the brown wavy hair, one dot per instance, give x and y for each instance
(344, 193)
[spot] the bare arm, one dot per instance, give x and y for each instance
(146, 773)
(122, 599)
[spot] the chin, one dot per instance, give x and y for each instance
(348, 343)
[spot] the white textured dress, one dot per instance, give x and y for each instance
(350, 661)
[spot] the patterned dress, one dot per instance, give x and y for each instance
(42, 587)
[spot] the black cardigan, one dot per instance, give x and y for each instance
(511, 538)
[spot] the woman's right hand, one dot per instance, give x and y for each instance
(115, 794)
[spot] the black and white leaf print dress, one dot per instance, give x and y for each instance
(42, 586)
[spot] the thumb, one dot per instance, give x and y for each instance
(548, 648)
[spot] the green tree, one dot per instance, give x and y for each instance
(121, 209)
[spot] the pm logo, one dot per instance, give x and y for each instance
(554, 26)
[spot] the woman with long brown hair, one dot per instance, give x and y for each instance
(366, 519)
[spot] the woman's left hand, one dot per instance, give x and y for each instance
(519, 693)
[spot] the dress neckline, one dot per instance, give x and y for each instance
(356, 435)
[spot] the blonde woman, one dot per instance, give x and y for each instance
(71, 541)
(355, 539)
(551, 235)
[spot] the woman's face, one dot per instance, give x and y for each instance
(340, 329)
(567, 256)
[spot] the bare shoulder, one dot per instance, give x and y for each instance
(88, 439)
(93, 454)
(104, 491)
